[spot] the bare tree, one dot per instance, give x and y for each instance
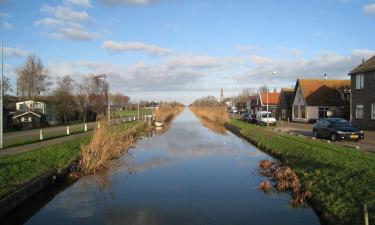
(63, 98)
(119, 100)
(99, 94)
(82, 97)
(32, 78)
(263, 89)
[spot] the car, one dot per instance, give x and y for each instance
(265, 118)
(233, 109)
(337, 129)
(248, 117)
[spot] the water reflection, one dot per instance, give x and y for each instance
(186, 175)
(217, 128)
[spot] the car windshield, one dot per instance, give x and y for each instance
(264, 115)
(342, 123)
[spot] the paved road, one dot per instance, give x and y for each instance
(368, 144)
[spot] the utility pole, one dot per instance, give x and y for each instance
(1, 94)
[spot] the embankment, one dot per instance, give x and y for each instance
(340, 179)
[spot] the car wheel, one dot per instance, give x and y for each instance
(315, 133)
(333, 137)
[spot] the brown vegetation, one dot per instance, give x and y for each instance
(217, 114)
(283, 179)
(106, 144)
(168, 111)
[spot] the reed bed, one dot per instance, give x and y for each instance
(167, 111)
(106, 144)
(217, 114)
(282, 178)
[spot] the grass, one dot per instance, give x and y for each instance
(217, 114)
(132, 112)
(17, 170)
(339, 178)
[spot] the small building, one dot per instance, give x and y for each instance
(41, 107)
(152, 105)
(320, 98)
(363, 94)
(28, 120)
(284, 109)
(272, 98)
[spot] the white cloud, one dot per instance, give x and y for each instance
(248, 48)
(15, 52)
(135, 46)
(6, 25)
(128, 2)
(82, 3)
(65, 22)
(369, 9)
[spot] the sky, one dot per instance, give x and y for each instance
(184, 49)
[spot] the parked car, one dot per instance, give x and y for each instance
(263, 118)
(233, 109)
(248, 117)
(337, 129)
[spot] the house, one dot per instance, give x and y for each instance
(36, 106)
(284, 109)
(320, 98)
(29, 119)
(152, 105)
(262, 99)
(363, 94)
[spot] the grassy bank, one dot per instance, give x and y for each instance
(17, 170)
(132, 112)
(339, 178)
(216, 114)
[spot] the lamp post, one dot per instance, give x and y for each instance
(103, 77)
(268, 90)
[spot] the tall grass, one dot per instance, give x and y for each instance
(217, 114)
(167, 111)
(106, 144)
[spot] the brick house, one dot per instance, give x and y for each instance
(284, 109)
(363, 95)
(320, 98)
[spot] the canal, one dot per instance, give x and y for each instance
(192, 173)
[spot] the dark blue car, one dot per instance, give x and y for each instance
(336, 129)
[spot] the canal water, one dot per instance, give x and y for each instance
(191, 173)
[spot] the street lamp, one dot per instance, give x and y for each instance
(268, 90)
(103, 77)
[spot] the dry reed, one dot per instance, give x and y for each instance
(217, 114)
(106, 144)
(167, 111)
(283, 179)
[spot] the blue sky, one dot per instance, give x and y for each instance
(180, 49)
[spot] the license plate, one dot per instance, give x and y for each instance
(354, 136)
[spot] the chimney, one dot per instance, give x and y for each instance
(325, 76)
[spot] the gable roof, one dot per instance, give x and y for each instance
(322, 92)
(22, 113)
(367, 66)
(273, 98)
(287, 94)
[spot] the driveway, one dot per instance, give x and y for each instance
(368, 144)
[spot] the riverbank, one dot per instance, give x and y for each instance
(16, 171)
(339, 178)
(215, 114)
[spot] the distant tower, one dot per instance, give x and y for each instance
(221, 96)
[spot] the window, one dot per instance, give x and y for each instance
(359, 111)
(295, 111)
(373, 111)
(283, 113)
(359, 81)
(323, 112)
(303, 112)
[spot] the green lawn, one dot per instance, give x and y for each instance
(17, 170)
(339, 178)
(132, 112)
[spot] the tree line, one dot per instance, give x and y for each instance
(69, 99)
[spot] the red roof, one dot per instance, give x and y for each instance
(273, 98)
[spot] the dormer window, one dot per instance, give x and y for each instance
(359, 81)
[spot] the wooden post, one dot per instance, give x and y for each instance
(365, 214)
(67, 130)
(85, 127)
(130, 119)
(41, 135)
(98, 125)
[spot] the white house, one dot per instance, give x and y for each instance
(31, 105)
(320, 98)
